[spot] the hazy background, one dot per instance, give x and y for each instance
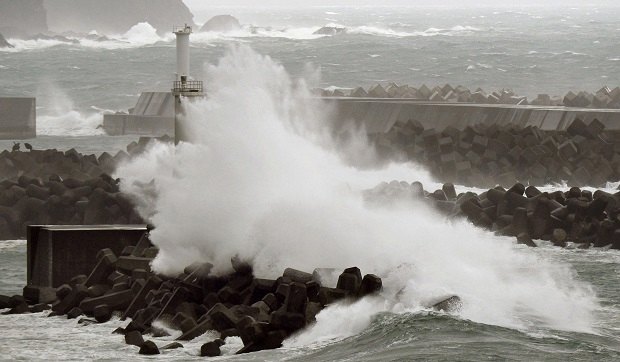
(202, 3)
(203, 10)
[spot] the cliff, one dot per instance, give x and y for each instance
(22, 18)
(4, 43)
(115, 16)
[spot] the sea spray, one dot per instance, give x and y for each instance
(57, 115)
(262, 179)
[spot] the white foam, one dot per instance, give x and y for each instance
(72, 123)
(141, 34)
(60, 118)
(263, 178)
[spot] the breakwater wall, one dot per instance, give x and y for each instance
(487, 145)
(153, 115)
(262, 312)
(603, 98)
(581, 217)
(380, 114)
(18, 118)
(45, 187)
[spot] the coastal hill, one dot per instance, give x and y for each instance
(25, 18)
(115, 16)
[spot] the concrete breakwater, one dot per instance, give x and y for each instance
(18, 118)
(487, 155)
(63, 188)
(585, 218)
(603, 98)
(262, 312)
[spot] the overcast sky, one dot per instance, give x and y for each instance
(201, 4)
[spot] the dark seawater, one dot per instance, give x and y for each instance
(530, 50)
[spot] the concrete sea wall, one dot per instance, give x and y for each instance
(380, 114)
(153, 115)
(18, 118)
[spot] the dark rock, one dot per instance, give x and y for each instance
(210, 349)
(134, 338)
(149, 348)
(221, 23)
(102, 313)
(330, 30)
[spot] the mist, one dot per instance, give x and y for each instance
(200, 4)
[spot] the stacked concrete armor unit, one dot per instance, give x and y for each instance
(581, 218)
(153, 115)
(603, 98)
(18, 118)
(64, 188)
(488, 155)
(261, 311)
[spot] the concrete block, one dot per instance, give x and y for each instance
(72, 300)
(328, 296)
(200, 329)
(377, 91)
(126, 264)
(287, 321)
(115, 301)
(221, 317)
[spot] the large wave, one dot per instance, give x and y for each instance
(263, 177)
(139, 35)
(143, 34)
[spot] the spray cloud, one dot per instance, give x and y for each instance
(264, 178)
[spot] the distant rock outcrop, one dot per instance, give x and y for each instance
(4, 43)
(221, 23)
(23, 18)
(330, 30)
(55, 37)
(115, 16)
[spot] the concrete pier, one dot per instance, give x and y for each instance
(379, 114)
(57, 253)
(18, 118)
(153, 115)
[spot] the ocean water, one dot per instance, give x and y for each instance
(269, 182)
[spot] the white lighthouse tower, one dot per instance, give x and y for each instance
(183, 87)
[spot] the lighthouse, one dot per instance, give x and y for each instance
(183, 87)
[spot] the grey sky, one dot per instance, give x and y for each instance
(201, 4)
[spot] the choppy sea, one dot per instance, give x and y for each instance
(274, 192)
